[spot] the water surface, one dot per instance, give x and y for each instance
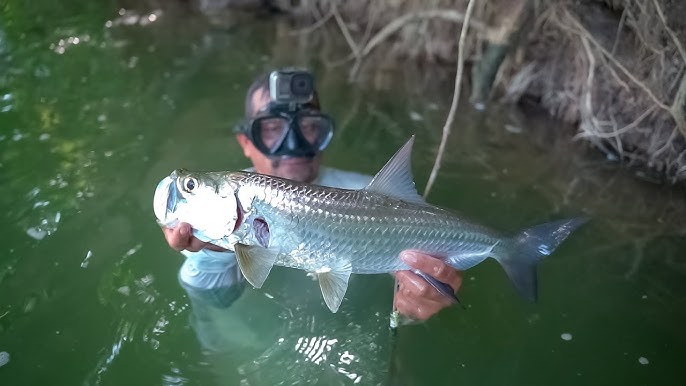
(98, 104)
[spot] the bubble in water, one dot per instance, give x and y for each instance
(36, 233)
(643, 360)
(40, 204)
(4, 358)
(566, 336)
(86, 260)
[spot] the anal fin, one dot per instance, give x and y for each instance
(334, 282)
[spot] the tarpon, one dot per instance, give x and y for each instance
(334, 233)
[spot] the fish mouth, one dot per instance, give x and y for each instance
(166, 199)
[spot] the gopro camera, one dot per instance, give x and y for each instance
(291, 86)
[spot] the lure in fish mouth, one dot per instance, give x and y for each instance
(212, 209)
(333, 233)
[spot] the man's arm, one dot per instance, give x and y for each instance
(415, 297)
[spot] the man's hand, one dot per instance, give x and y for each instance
(181, 237)
(415, 297)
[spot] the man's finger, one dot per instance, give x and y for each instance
(413, 285)
(420, 310)
(178, 237)
(195, 244)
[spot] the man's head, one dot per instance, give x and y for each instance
(304, 168)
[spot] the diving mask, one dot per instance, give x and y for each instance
(300, 133)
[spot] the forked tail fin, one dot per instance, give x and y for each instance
(520, 255)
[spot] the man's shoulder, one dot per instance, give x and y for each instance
(344, 179)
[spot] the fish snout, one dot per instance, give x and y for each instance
(165, 199)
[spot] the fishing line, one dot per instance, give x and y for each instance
(393, 323)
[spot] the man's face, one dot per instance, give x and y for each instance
(303, 169)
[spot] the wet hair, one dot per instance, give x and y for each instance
(261, 83)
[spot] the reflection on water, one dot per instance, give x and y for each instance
(285, 337)
(98, 102)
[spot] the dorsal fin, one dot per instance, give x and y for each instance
(395, 178)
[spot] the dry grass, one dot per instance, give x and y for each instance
(614, 67)
(618, 78)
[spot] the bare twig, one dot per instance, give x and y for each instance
(671, 33)
(581, 31)
(678, 106)
(633, 21)
(588, 101)
(338, 62)
(456, 97)
(345, 31)
(619, 31)
(397, 24)
(614, 74)
(371, 21)
(311, 28)
(664, 147)
(624, 129)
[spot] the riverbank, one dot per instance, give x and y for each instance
(613, 69)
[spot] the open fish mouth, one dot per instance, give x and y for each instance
(166, 199)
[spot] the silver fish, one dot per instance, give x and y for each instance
(333, 233)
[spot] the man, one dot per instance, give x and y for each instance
(286, 140)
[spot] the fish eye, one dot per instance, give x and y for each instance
(189, 184)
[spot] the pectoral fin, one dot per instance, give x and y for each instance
(334, 282)
(255, 262)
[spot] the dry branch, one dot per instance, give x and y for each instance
(670, 32)
(344, 31)
(400, 22)
(456, 97)
(583, 32)
(397, 24)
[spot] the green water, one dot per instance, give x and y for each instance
(88, 287)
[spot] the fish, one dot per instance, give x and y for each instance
(333, 233)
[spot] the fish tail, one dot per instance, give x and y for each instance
(520, 255)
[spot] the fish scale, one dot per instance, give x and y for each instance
(348, 225)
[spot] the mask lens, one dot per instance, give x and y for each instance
(316, 130)
(270, 131)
